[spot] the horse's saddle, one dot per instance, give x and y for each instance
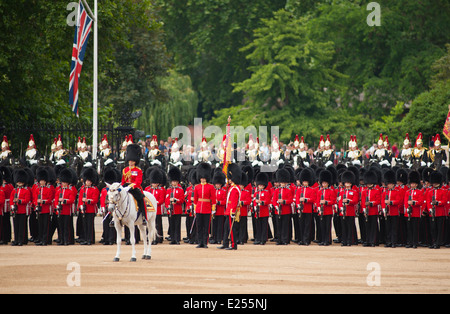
(148, 205)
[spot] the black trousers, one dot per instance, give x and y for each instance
(159, 229)
(243, 230)
(261, 232)
(349, 235)
(109, 233)
(392, 226)
(44, 229)
(283, 228)
(89, 230)
(217, 228)
(175, 231)
(325, 228)
(190, 225)
(437, 230)
(230, 237)
(65, 229)
(413, 230)
(372, 230)
(203, 228)
(20, 229)
(306, 232)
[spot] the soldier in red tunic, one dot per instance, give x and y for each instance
(413, 202)
(436, 202)
(132, 176)
(173, 202)
(347, 205)
(43, 199)
(391, 201)
(88, 197)
(156, 187)
(304, 200)
(19, 201)
(231, 225)
(261, 203)
(205, 202)
(325, 200)
(282, 199)
(221, 198)
(370, 202)
(64, 199)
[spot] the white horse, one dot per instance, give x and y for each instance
(123, 208)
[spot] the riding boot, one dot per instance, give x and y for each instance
(141, 205)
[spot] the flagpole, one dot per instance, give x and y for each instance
(94, 124)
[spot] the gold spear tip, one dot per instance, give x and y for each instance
(229, 119)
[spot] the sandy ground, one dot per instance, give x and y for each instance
(254, 269)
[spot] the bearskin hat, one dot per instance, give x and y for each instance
(348, 176)
(426, 172)
(414, 177)
(7, 174)
(204, 171)
(402, 176)
(219, 178)
(21, 176)
(156, 176)
(193, 176)
(307, 174)
(234, 173)
(91, 175)
(249, 172)
(133, 153)
(436, 177)
(326, 176)
(174, 174)
(262, 179)
(370, 177)
(110, 176)
(356, 172)
(283, 176)
(65, 175)
(244, 179)
(42, 174)
(389, 177)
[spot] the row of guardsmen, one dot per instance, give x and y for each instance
(395, 207)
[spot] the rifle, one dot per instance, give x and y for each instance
(301, 206)
(39, 207)
(409, 210)
(59, 207)
(82, 209)
(433, 207)
(280, 197)
(344, 206)
(366, 209)
(256, 208)
(386, 210)
(321, 206)
(170, 209)
(14, 206)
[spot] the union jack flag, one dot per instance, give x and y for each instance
(82, 30)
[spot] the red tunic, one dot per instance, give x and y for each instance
(178, 194)
(133, 176)
(353, 196)
(310, 195)
(233, 196)
(68, 196)
(372, 195)
(330, 196)
(266, 198)
(204, 198)
(246, 200)
(441, 198)
(394, 197)
(282, 199)
(221, 200)
(417, 197)
(92, 196)
(23, 196)
(160, 195)
(47, 195)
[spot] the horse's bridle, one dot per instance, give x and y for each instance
(116, 206)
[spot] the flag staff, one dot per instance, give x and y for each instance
(95, 91)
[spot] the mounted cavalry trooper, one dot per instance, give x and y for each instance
(132, 176)
(84, 154)
(437, 156)
(32, 155)
(276, 156)
(6, 157)
(299, 154)
(252, 151)
(324, 156)
(204, 154)
(381, 154)
(419, 153)
(404, 159)
(60, 154)
(154, 155)
(105, 152)
(175, 154)
(354, 155)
